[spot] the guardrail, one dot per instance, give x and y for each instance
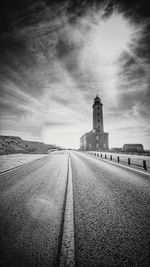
(129, 161)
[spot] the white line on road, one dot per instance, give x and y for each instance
(67, 257)
(12, 169)
(19, 166)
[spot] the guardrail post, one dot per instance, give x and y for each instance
(129, 161)
(118, 159)
(105, 156)
(101, 155)
(97, 154)
(144, 165)
(110, 157)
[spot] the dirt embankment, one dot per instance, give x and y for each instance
(14, 144)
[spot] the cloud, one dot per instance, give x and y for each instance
(56, 57)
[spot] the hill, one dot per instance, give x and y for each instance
(14, 144)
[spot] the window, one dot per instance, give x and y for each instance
(97, 114)
(98, 120)
(97, 145)
(98, 108)
(90, 146)
(97, 137)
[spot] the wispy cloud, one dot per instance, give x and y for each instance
(54, 61)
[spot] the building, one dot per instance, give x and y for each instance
(116, 149)
(96, 139)
(133, 148)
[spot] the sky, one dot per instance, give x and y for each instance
(55, 56)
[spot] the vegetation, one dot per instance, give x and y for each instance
(14, 144)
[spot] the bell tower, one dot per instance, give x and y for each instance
(98, 115)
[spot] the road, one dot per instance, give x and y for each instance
(112, 214)
(111, 207)
(31, 210)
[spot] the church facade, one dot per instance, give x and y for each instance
(96, 139)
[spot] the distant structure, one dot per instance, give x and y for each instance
(96, 139)
(133, 148)
(116, 149)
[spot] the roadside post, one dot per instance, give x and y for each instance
(144, 165)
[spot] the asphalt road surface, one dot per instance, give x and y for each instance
(31, 210)
(111, 207)
(112, 214)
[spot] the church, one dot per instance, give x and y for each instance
(96, 139)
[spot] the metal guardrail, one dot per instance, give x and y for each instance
(118, 159)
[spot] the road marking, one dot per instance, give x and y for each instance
(16, 167)
(121, 165)
(19, 166)
(67, 257)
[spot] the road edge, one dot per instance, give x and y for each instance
(120, 165)
(19, 166)
(67, 256)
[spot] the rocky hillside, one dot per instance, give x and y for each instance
(14, 144)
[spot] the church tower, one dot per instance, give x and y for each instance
(98, 115)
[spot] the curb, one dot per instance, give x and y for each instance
(133, 168)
